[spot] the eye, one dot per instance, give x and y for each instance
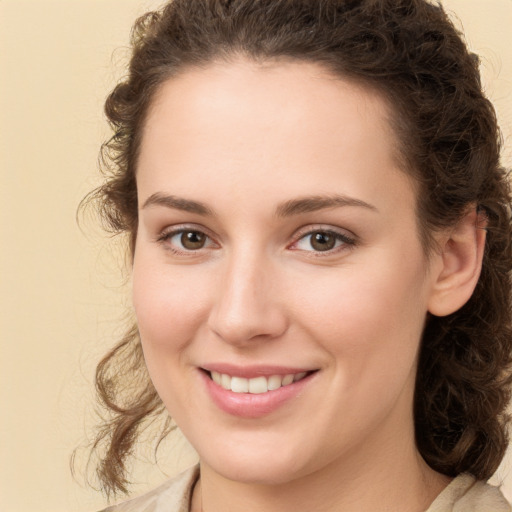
(185, 240)
(323, 241)
(191, 240)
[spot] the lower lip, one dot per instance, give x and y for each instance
(252, 405)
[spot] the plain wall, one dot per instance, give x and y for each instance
(62, 291)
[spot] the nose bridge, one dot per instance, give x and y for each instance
(246, 305)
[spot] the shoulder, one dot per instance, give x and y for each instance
(172, 496)
(466, 494)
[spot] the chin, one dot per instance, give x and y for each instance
(268, 474)
(263, 467)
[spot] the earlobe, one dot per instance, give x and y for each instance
(460, 264)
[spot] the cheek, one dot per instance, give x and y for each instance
(369, 313)
(168, 306)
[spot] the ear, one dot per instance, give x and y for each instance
(460, 263)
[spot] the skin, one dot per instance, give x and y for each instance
(243, 139)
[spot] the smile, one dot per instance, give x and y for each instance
(256, 391)
(256, 385)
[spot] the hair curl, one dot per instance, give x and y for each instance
(410, 52)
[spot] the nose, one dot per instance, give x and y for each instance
(247, 305)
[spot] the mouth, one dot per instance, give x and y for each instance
(256, 385)
(255, 391)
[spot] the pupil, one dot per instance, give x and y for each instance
(192, 240)
(322, 241)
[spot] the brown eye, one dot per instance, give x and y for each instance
(192, 240)
(322, 241)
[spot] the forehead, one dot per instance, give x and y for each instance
(263, 92)
(259, 126)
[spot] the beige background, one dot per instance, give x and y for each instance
(62, 293)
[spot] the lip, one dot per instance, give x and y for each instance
(248, 405)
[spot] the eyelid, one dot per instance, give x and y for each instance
(168, 232)
(349, 239)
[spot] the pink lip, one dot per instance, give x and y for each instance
(248, 405)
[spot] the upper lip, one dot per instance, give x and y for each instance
(251, 371)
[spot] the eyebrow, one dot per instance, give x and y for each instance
(177, 203)
(287, 209)
(315, 203)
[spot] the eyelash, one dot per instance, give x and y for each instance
(344, 241)
(347, 242)
(167, 234)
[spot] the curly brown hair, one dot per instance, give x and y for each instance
(411, 53)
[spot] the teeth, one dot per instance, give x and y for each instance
(274, 382)
(239, 385)
(257, 385)
(299, 376)
(225, 381)
(287, 379)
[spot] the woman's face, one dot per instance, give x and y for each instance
(278, 243)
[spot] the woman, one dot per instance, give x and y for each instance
(320, 236)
